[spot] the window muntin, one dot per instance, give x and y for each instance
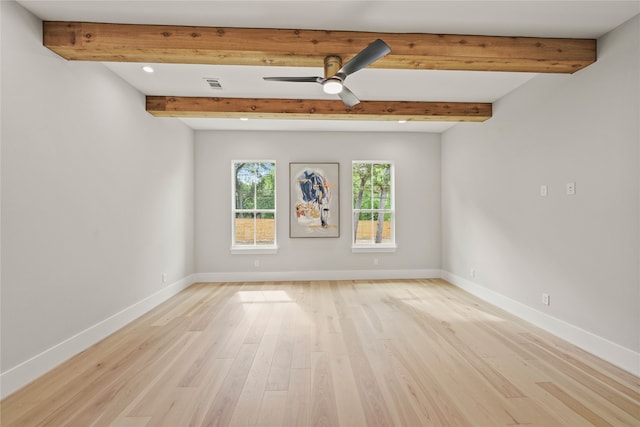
(254, 204)
(373, 204)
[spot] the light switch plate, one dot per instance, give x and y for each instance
(544, 190)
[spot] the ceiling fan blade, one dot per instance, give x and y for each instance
(348, 97)
(295, 79)
(366, 56)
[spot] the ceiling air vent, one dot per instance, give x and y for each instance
(213, 82)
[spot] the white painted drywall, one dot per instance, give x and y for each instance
(583, 250)
(417, 165)
(97, 195)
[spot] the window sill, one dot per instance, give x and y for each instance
(254, 250)
(373, 248)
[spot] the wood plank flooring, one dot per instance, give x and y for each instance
(328, 353)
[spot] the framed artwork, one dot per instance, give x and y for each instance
(314, 200)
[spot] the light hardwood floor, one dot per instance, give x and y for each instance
(328, 353)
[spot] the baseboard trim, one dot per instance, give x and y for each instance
(27, 371)
(613, 353)
(285, 276)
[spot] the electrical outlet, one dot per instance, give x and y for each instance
(164, 277)
(571, 188)
(545, 299)
(544, 190)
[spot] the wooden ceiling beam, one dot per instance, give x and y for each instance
(202, 107)
(307, 48)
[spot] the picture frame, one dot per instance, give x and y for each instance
(314, 200)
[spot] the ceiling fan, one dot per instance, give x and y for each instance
(333, 82)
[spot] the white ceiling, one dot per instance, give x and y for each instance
(580, 19)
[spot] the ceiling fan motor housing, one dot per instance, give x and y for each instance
(332, 65)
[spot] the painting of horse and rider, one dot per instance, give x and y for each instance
(314, 200)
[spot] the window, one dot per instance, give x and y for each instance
(373, 205)
(254, 205)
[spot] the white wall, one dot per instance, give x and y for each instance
(417, 162)
(584, 249)
(97, 202)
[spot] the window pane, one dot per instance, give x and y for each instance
(381, 186)
(362, 186)
(382, 228)
(373, 228)
(265, 169)
(244, 228)
(245, 179)
(363, 226)
(265, 229)
(265, 186)
(266, 199)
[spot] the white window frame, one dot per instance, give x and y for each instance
(254, 248)
(375, 247)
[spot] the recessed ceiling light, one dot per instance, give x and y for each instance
(402, 121)
(244, 119)
(147, 69)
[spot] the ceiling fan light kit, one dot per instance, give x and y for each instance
(332, 86)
